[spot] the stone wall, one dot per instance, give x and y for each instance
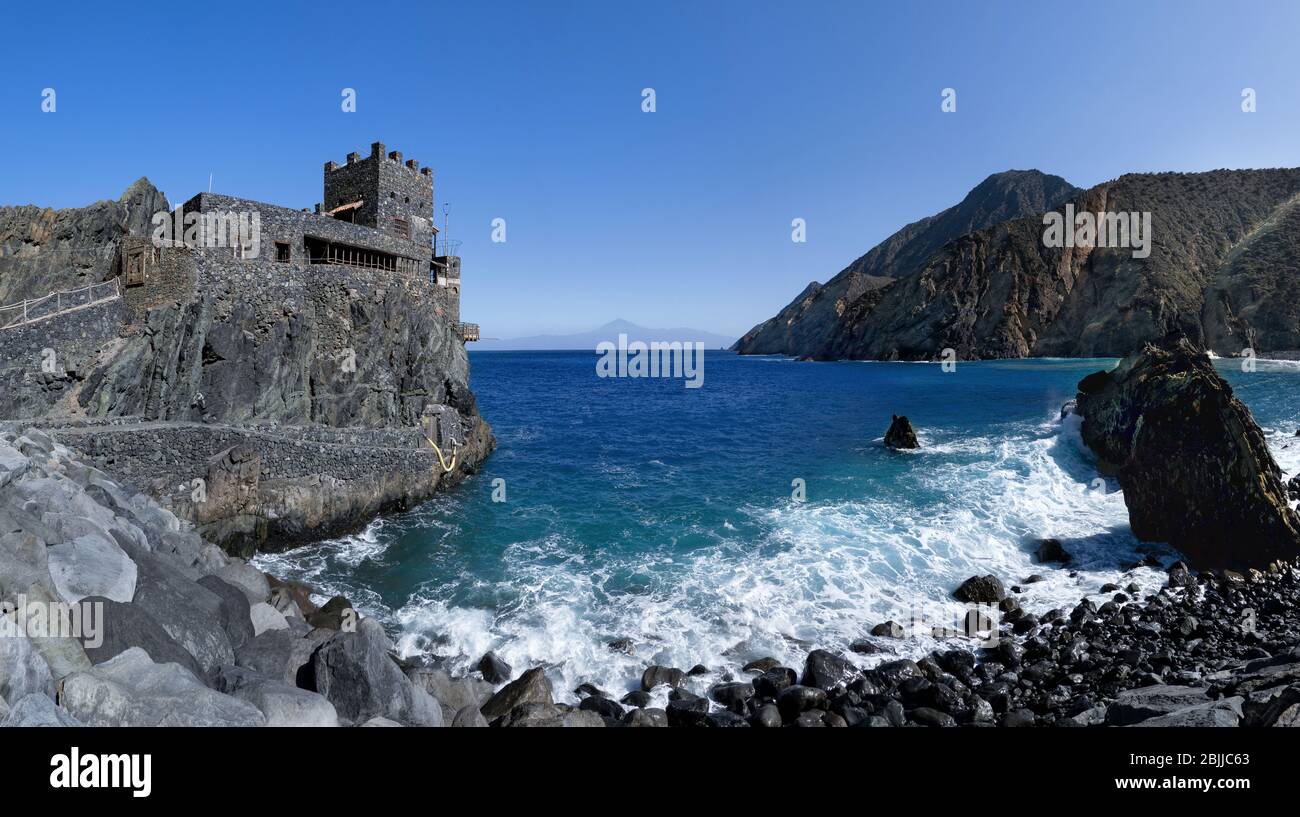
(42, 364)
(170, 278)
(406, 193)
(388, 188)
(308, 482)
(356, 181)
(292, 226)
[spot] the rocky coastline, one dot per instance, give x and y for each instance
(269, 404)
(194, 636)
(980, 281)
(1206, 650)
(191, 636)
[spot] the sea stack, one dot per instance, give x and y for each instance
(901, 434)
(1193, 464)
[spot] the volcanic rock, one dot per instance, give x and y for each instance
(901, 434)
(1192, 462)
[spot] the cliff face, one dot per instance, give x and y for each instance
(1194, 466)
(43, 250)
(330, 375)
(808, 324)
(1223, 249)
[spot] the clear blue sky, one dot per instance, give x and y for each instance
(531, 112)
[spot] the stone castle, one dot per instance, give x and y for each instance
(309, 373)
(377, 215)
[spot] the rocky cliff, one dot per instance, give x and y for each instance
(326, 378)
(43, 250)
(1194, 466)
(1223, 247)
(807, 325)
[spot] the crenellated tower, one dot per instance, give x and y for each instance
(384, 193)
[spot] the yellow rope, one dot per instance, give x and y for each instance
(445, 467)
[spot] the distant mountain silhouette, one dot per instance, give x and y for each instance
(609, 332)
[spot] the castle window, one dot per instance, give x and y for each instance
(282, 251)
(401, 228)
(408, 199)
(135, 270)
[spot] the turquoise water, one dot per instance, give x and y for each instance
(638, 508)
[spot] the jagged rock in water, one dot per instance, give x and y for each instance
(981, 589)
(1051, 550)
(1194, 467)
(901, 434)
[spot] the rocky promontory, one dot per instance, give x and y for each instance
(1195, 469)
(270, 404)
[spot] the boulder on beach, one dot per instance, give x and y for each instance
(494, 668)
(37, 709)
(901, 434)
(656, 675)
(357, 674)
(1050, 550)
(888, 629)
(981, 589)
(333, 614)
(533, 687)
(826, 670)
(1194, 467)
(131, 690)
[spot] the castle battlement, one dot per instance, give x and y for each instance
(382, 192)
(377, 216)
(377, 152)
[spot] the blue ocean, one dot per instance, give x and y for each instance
(757, 515)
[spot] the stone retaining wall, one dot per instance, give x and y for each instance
(308, 482)
(41, 363)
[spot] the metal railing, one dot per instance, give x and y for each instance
(57, 303)
(444, 247)
(468, 331)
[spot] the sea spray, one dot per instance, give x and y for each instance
(668, 521)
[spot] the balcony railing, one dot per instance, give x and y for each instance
(444, 247)
(468, 332)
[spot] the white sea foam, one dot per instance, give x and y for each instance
(310, 565)
(822, 577)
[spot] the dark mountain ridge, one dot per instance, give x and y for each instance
(809, 322)
(1225, 245)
